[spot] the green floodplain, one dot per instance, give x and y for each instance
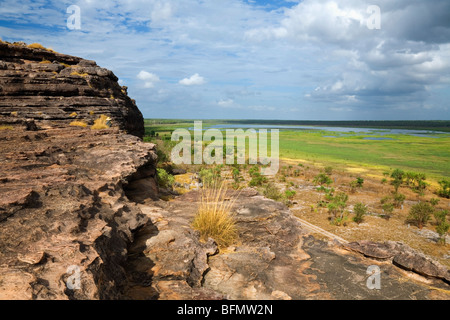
(384, 147)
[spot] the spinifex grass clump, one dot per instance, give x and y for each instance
(78, 124)
(100, 123)
(214, 218)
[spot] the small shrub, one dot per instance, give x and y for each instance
(388, 208)
(272, 192)
(384, 181)
(328, 171)
(442, 226)
(434, 202)
(337, 207)
(420, 213)
(444, 190)
(397, 177)
(398, 200)
(257, 178)
(210, 177)
(360, 211)
(385, 199)
(290, 194)
(236, 175)
(322, 179)
(206, 176)
(165, 180)
(78, 124)
(359, 182)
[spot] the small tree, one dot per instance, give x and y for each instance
(359, 182)
(398, 200)
(388, 208)
(442, 226)
(444, 190)
(420, 213)
(337, 207)
(360, 211)
(397, 177)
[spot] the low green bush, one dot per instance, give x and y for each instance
(360, 210)
(165, 180)
(420, 213)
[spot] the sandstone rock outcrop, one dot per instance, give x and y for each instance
(40, 84)
(63, 205)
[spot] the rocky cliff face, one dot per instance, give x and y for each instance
(63, 209)
(40, 84)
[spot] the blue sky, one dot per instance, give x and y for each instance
(257, 59)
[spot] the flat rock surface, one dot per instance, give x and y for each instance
(276, 259)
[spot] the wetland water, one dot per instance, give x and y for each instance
(343, 130)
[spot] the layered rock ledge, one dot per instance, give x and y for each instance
(40, 84)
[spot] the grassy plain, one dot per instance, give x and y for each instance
(351, 151)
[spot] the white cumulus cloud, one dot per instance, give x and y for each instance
(196, 79)
(148, 78)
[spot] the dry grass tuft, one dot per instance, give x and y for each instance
(73, 114)
(36, 46)
(100, 123)
(45, 62)
(78, 124)
(214, 218)
(6, 128)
